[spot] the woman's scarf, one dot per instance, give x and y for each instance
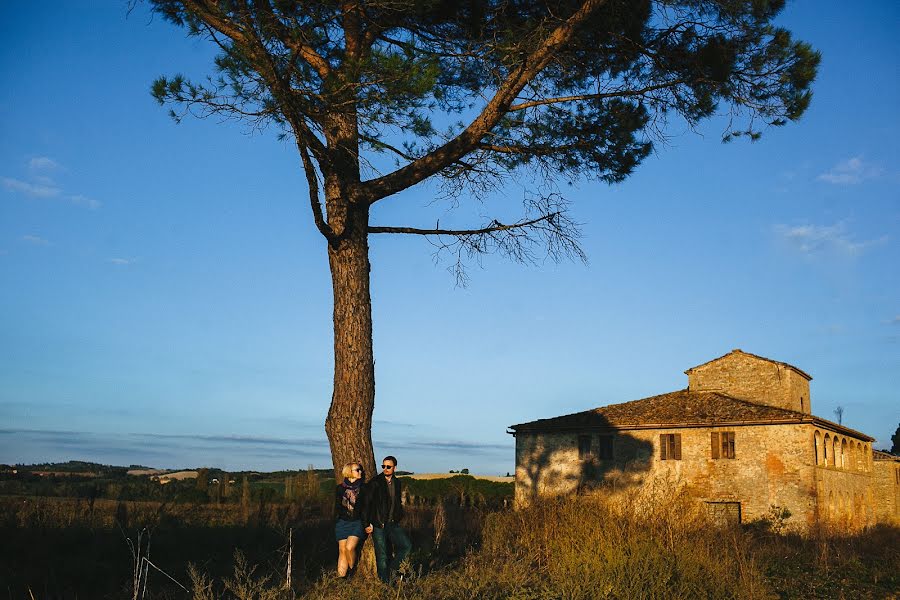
(350, 495)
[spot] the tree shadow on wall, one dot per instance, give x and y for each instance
(613, 459)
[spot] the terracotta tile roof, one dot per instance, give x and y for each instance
(739, 351)
(683, 408)
(880, 455)
(675, 408)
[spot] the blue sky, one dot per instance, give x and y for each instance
(165, 298)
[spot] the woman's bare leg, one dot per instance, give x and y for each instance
(352, 542)
(342, 558)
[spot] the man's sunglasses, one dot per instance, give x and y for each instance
(387, 467)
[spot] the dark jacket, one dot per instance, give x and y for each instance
(341, 511)
(378, 502)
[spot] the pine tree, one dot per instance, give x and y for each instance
(472, 94)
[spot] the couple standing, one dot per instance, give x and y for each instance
(374, 507)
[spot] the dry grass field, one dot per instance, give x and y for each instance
(429, 476)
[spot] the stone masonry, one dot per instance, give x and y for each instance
(741, 439)
(886, 480)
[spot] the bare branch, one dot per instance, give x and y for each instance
(494, 227)
(546, 230)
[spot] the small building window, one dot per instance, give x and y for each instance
(724, 514)
(670, 446)
(722, 444)
(605, 447)
(816, 443)
(584, 447)
(825, 449)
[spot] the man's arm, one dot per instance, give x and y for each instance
(398, 501)
(368, 501)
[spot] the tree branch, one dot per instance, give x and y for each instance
(532, 150)
(579, 97)
(312, 181)
(496, 226)
(492, 113)
(376, 143)
(304, 51)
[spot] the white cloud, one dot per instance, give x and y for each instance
(851, 171)
(40, 184)
(43, 163)
(819, 239)
(43, 180)
(80, 200)
(120, 261)
(35, 190)
(35, 239)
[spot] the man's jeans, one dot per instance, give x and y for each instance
(391, 537)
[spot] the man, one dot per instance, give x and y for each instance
(384, 511)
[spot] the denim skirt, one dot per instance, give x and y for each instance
(344, 529)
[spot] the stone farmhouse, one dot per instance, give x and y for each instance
(741, 438)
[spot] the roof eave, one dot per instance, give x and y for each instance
(838, 428)
(526, 427)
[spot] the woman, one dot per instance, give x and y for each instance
(348, 508)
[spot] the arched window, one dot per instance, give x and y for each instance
(817, 441)
(825, 451)
(844, 454)
(860, 457)
(835, 448)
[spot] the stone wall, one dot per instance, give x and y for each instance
(886, 490)
(750, 378)
(773, 465)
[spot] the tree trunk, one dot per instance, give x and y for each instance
(349, 423)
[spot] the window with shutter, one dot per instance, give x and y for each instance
(670, 446)
(605, 447)
(727, 444)
(584, 447)
(722, 444)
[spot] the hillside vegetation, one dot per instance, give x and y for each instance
(467, 544)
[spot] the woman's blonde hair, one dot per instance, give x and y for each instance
(347, 471)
